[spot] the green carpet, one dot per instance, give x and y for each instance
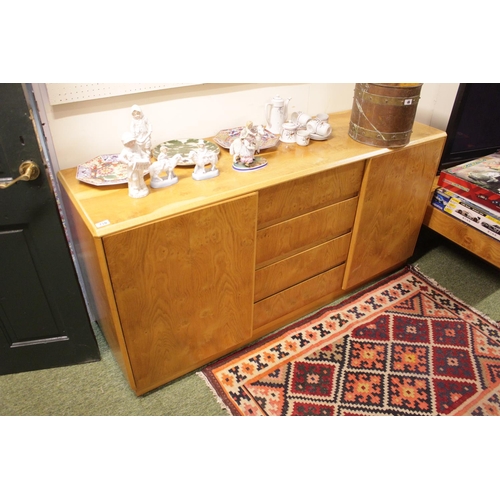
(100, 388)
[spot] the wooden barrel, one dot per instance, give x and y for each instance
(383, 113)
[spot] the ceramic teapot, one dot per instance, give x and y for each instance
(276, 114)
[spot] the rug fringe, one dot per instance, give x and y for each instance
(212, 390)
(416, 269)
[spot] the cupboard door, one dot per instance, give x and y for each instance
(184, 288)
(392, 203)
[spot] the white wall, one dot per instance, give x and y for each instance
(79, 131)
(444, 100)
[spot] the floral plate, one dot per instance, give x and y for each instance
(104, 170)
(183, 147)
(226, 137)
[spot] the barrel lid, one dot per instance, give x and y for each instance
(398, 85)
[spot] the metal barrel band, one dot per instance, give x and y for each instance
(356, 130)
(386, 100)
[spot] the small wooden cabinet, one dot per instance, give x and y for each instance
(462, 234)
(196, 270)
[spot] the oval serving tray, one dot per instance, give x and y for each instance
(226, 137)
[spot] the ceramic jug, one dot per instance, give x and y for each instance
(276, 114)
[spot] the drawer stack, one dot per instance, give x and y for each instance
(303, 235)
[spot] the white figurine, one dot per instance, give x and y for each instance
(141, 129)
(253, 134)
(138, 163)
(246, 152)
(164, 164)
(246, 145)
(201, 156)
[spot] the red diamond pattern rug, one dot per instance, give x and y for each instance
(404, 346)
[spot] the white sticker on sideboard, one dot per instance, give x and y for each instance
(102, 223)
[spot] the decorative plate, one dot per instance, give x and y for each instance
(226, 137)
(104, 170)
(184, 147)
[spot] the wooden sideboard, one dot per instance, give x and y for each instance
(196, 270)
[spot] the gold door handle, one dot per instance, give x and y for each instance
(29, 172)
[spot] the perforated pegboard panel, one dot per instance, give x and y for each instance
(62, 93)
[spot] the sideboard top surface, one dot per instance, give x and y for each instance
(109, 209)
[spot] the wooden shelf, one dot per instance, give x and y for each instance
(466, 236)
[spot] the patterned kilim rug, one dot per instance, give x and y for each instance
(404, 346)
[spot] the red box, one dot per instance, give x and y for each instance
(477, 180)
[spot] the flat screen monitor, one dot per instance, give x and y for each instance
(474, 126)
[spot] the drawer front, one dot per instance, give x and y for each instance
(294, 299)
(294, 198)
(302, 266)
(298, 234)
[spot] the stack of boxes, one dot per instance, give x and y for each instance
(471, 193)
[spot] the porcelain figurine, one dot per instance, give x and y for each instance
(164, 164)
(141, 129)
(202, 156)
(137, 162)
(254, 134)
(244, 147)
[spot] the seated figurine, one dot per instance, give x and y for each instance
(244, 147)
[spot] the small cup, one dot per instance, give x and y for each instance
(302, 137)
(322, 117)
(318, 127)
(301, 119)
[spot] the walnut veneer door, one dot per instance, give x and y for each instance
(184, 288)
(392, 203)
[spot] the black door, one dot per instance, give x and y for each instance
(43, 318)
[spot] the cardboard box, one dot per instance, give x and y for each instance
(477, 216)
(477, 180)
